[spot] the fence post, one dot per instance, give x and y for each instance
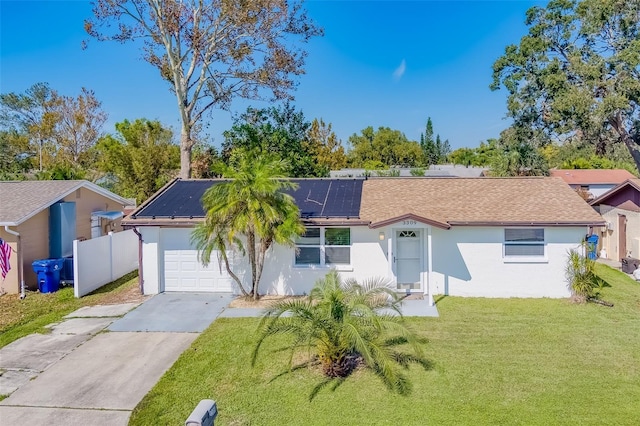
(76, 280)
(110, 256)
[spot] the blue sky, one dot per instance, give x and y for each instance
(380, 63)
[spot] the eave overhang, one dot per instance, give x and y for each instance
(532, 223)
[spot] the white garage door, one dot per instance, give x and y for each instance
(184, 272)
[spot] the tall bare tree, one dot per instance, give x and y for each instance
(211, 51)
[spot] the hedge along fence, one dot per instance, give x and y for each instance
(99, 261)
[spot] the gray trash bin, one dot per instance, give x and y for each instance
(629, 264)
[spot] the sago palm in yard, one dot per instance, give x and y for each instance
(346, 324)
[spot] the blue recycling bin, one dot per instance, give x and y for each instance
(592, 247)
(48, 271)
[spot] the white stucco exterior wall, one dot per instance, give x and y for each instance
(469, 261)
(282, 276)
(151, 259)
(464, 261)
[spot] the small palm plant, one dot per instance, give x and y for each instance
(345, 325)
(583, 281)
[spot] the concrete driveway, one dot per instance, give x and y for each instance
(79, 375)
(175, 312)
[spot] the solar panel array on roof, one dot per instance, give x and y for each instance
(316, 198)
(326, 198)
(182, 199)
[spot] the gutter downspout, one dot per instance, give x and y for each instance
(140, 275)
(20, 265)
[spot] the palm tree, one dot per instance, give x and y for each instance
(248, 213)
(347, 324)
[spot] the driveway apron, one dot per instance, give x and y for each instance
(175, 312)
(79, 376)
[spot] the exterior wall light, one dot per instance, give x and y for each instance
(381, 236)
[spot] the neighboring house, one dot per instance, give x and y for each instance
(435, 170)
(40, 220)
(491, 237)
(620, 208)
(592, 182)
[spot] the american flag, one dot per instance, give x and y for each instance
(5, 256)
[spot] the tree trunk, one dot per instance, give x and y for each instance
(625, 137)
(634, 149)
(185, 152)
(225, 259)
(251, 246)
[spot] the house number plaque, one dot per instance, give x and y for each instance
(409, 222)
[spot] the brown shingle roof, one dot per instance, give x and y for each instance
(20, 200)
(474, 201)
(592, 176)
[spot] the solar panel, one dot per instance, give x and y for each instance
(316, 198)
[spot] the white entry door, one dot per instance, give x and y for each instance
(408, 259)
(184, 272)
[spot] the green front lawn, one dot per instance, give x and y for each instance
(495, 361)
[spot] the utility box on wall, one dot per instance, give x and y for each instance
(62, 229)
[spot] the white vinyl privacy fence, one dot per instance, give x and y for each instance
(99, 261)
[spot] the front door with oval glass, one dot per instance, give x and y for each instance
(408, 259)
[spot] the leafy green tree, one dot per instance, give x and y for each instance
(346, 324)
(211, 51)
(517, 158)
(576, 74)
(325, 147)
(580, 155)
(279, 131)
(486, 152)
(435, 151)
(14, 155)
(32, 116)
(60, 129)
(386, 146)
(141, 156)
(427, 143)
(464, 156)
(248, 214)
(61, 171)
(482, 156)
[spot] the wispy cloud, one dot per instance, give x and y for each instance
(399, 72)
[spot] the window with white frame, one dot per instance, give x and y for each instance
(324, 247)
(524, 242)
